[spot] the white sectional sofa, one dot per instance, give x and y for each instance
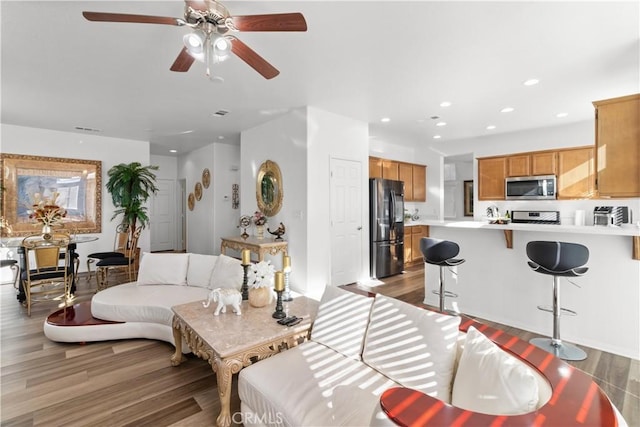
(361, 346)
(143, 308)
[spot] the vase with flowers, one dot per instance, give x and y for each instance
(261, 276)
(259, 220)
(46, 212)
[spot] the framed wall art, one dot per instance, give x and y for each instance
(77, 183)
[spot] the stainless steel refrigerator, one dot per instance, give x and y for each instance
(386, 224)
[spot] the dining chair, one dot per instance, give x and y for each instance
(128, 261)
(119, 249)
(48, 273)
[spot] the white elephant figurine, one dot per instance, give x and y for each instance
(224, 297)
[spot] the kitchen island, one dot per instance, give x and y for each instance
(496, 283)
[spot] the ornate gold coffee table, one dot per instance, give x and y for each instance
(230, 342)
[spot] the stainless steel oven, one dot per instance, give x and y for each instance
(541, 187)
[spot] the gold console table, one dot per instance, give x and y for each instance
(260, 247)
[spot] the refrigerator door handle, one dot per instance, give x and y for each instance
(392, 207)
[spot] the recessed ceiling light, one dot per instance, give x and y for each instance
(385, 120)
(560, 115)
(220, 137)
(531, 82)
(445, 104)
(173, 151)
(186, 132)
(507, 109)
(491, 127)
(441, 124)
(436, 137)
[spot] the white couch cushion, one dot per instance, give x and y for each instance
(341, 321)
(413, 346)
(163, 269)
(200, 269)
(491, 381)
(312, 385)
(151, 303)
(227, 273)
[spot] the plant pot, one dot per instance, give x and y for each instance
(259, 297)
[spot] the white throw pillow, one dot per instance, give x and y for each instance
(200, 270)
(413, 346)
(163, 269)
(227, 273)
(342, 321)
(491, 381)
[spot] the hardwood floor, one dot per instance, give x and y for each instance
(132, 383)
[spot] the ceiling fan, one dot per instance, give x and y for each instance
(209, 41)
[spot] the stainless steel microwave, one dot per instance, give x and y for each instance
(541, 187)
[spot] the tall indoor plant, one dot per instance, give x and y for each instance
(130, 186)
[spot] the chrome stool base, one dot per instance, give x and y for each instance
(562, 350)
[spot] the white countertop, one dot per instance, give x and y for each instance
(631, 230)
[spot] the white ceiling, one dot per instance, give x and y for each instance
(362, 59)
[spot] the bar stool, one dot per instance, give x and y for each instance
(441, 253)
(558, 259)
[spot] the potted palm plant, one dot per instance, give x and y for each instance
(130, 186)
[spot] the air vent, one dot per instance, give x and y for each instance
(220, 113)
(86, 129)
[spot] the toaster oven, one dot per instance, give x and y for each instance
(611, 215)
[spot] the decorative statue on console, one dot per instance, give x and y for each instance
(278, 232)
(224, 297)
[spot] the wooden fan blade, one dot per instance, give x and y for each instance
(125, 17)
(271, 22)
(254, 60)
(183, 61)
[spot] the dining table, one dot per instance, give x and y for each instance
(16, 243)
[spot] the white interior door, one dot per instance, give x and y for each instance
(162, 215)
(346, 221)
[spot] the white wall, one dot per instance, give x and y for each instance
(302, 143)
(111, 151)
(332, 136)
(212, 216)
(283, 141)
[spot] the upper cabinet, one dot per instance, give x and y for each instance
(492, 172)
(375, 167)
(414, 176)
(574, 168)
(527, 164)
(576, 176)
(618, 146)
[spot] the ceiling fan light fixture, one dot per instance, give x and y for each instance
(221, 47)
(194, 42)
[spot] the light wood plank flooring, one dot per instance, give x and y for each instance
(131, 382)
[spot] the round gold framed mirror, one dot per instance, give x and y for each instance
(269, 188)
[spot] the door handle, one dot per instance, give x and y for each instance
(359, 228)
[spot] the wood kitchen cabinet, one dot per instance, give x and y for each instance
(527, 164)
(419, 175)
(390, 169)
(414, 176)
(375, 167)
(617, 148)
(576, 173)
(492, 172)
(412, 236)
(405, 174)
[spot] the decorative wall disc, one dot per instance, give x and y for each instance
(206, 178)
(198, 191)
(191, 201)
